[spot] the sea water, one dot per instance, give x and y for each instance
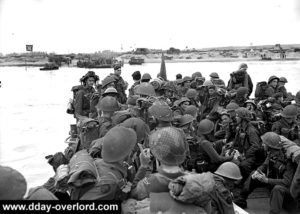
(33, 103)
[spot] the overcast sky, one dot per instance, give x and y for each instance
(66, 26)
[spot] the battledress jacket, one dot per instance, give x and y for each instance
(284, 178)
(221, 202)
(82, 101)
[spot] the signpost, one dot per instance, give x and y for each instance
(30, 49)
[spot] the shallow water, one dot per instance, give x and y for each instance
(33, 118)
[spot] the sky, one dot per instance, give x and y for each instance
(87, 26)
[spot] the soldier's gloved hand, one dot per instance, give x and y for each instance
(145, 157)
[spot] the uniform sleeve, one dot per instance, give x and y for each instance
(212, 153)
(264, 166)
(141, 187)
(287, 177)
(78, 103)
(254, 143)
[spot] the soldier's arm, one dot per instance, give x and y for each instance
(254, 142)
(212, 153)
(286, 178)
(140, 187)
(263, 167)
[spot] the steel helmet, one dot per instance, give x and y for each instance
(191, 93)
(289, 111)
(118, 142)
(272, 140)
(132, 100)
(181, 100)
(243, 113)
(110, 90)
(168, 146)
(139, 126)
(241, 91)
(283, 79)
(252, 102)
(208, 83)
(145, 89)
(273, 78)
(161, 111)
(187, 78)
(191, 110)
(12, 184)
(214, 75)
(185, 119)
(108, 103)
(107, 81)
(229, 170)
(146, 76)
(196, 74)
(232, 107)
(205, 126)
(243, 66)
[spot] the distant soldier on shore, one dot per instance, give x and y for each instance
(120, 84)
(240, 78)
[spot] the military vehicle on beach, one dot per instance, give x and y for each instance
(49, 66)
(136, 61)
(99, 63)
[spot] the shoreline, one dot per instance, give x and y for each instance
(152, 60)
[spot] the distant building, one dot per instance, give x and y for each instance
(173, 51)
(142, 51)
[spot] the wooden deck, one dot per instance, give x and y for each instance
(258, 203)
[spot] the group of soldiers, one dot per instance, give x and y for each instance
(193, 145)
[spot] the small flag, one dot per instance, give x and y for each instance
(29, 47)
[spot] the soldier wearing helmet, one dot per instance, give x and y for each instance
(83, 97)
(277, 172)
(111, 92)
(193, 95)
(180, 106)
(247, 142)
(185, 85)
(240, 78)
(106, 107)
(241, 96)
(287, 125)
(215, 79)
(119, 84)
(161, 113)
(116, 150)
(146, 77)
(186, 123)
(225, 177)
(169, 150)
(281, 88)
(209, 151)
(273, 83)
